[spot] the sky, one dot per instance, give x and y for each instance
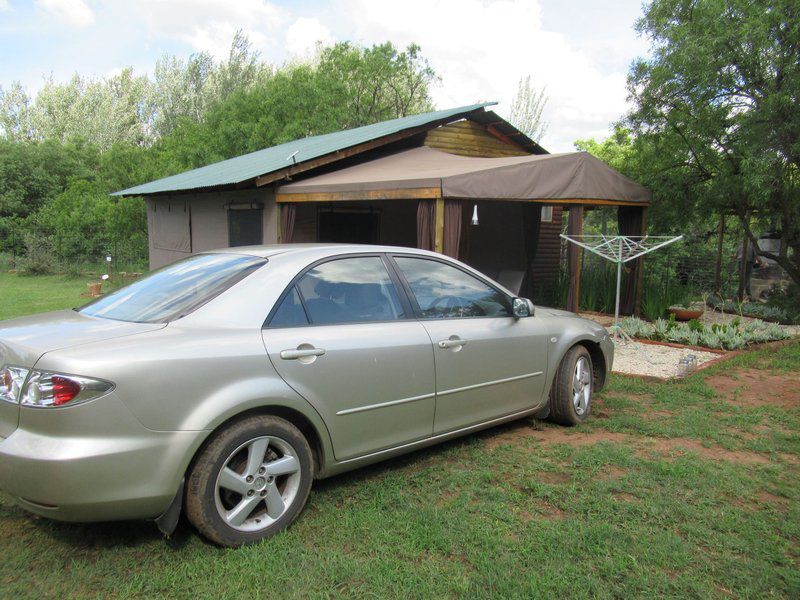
(579, 50)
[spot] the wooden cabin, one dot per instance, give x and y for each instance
(396, 183)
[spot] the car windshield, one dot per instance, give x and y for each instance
(176, 290)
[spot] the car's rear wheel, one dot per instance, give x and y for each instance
(250, 482)
(571, 394)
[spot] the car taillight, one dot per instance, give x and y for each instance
(11, 381)
(64, 389)
(44, 389)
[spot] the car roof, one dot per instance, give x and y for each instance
(267, 251)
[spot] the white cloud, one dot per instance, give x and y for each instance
(303, 35)
(4, 5)
(209, 25)
(482, 48)
(72, 13)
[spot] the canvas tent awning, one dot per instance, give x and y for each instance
(426, 173)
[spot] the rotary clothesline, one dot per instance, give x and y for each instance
(620, 249)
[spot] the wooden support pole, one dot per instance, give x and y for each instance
(438, 239)
(718, 266)
(574, 255)
(278, 215)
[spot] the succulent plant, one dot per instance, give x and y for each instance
(729, 336)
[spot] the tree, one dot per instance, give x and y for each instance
(15, 113)
(62, 152)
(184, 90)
(718, 98)
(375, 84)
(345, 86)
(526, 109)
(100, 111)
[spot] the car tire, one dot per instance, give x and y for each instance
(571, 393)
(250, 481)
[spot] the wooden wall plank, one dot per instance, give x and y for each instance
(466, 138)
(389, 194)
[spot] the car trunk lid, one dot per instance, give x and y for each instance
(25, 340)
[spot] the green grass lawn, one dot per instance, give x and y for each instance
(27, 294)
(680, 489)
(23, 295)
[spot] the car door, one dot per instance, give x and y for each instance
(488, 363)
(346, 340)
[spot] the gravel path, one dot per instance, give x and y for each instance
(634, 358)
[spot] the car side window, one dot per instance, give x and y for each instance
(445, 292)
(290, 313)
(349, 290)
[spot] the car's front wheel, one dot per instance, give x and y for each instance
(251, 481)
(571, 394)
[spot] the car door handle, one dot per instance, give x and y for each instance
(452, 343)
(294, 354)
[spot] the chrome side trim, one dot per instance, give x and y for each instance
(350, 411)
(488, 383)
(442, 436)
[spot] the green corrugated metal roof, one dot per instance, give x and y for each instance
(261, 162)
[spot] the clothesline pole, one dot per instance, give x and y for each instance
(619, 284)
(619, 250)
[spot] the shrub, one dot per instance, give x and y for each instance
(787, 299)
(39, 258)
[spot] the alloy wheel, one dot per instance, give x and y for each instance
(257, 484)
(581, 386)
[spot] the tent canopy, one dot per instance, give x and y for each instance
(546, 177)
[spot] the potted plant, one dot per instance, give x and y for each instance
(685, 311)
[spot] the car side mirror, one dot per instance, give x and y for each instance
(522, 307)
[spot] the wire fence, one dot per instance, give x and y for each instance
(98, 257)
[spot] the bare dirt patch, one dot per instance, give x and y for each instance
(624, 497)
(554, 435)
(554, 478)
(446, 498)
(778, 502)
(549, 512)
(762, 500)
(667, 447)
(611, 473)
(753, 387)
(677, 447)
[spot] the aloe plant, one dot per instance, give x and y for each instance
(729, 336)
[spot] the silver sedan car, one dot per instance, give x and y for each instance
(224, 384)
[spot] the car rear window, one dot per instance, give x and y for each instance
(175, 290)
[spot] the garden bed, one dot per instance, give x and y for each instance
(730, 335)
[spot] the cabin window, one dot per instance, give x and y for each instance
(245, 227)
(170, 225)
(547, 214)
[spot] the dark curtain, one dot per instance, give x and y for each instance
(466, 218)
(288, 213)
(452, 227)
(531, 223)
(426, 215)
(631, 222)
(574, 227)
